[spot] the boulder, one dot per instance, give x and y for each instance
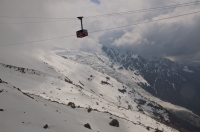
(89, 110)
(87, 126)
(46, 126)
(114, 122)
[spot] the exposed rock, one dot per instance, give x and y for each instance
(107, 78)
(157, 130)
(46, 126)
(71, 104)
(68, 80)
(114, 122)
(130, 107)
(104, 82)
(64, 57)
(122, 90)
(89, 110)
(87, 126)
(140, 101)
(120, 68)
(81, 83)
(1, 90)
(1, 109)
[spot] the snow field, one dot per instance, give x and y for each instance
(48, 82)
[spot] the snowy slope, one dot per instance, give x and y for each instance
(22, 113)
(102, 64)
(65, 79)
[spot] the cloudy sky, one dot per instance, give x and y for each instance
(177, 39)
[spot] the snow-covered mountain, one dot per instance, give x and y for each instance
(40, 91)
(167, 80)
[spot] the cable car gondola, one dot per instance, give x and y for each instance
(83, 32)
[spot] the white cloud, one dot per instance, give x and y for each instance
(124, 37)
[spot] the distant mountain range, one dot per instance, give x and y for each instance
(172, 82)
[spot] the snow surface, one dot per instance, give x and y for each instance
(76, 77)
(187, 70)
(23, 114)
(103, 65)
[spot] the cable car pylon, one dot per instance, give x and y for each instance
(83, 32)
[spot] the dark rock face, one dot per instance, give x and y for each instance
(1, 109)
(176, 83)
(181, 124)
(87, 126)
(114, 122)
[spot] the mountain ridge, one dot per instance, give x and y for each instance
(168, 80)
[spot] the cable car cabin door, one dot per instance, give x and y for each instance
(82, 33)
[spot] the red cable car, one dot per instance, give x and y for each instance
(83, 32)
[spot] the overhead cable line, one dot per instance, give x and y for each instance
(146, 10)
(146, 22)
(34, 22)
(41, 40)
(105, 15)
(150, 21)
(111, 14)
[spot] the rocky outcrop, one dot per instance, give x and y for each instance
(114, 122)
